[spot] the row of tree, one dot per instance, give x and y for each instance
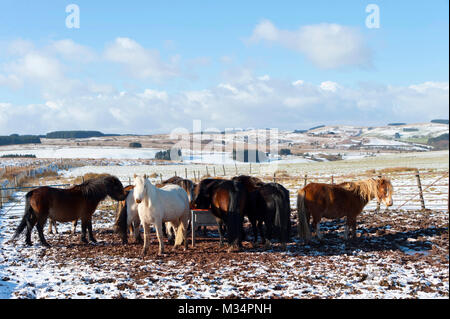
(19, 139)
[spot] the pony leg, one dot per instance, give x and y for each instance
(40, 229)
(83, 231)
(74, 227)
(136, 231)
(220, 233)
(265, 238)
(318, 233)
(51, 225)
(159, 234)
(146, 239)
(31, 221)
(255, 231)
(352, 224)
(91, 235)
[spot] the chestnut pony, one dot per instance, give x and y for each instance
(64, 205)
(336, 201)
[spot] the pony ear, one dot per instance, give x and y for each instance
(135, 175)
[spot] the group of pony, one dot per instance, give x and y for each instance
(168, 205)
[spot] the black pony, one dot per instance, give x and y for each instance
(268, 204)
(227, 200)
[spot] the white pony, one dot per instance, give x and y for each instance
(159, 205)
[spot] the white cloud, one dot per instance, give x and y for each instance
(329, 86)
(326, 45)
(255, 103)
(298, 83)
(70, 50)
(140, 62)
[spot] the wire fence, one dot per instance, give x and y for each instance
(413, 190)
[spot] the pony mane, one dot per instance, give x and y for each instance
(94, 189)
(366, 189)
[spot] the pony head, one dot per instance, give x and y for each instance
(201, 197)
(139, 188)
(114, 188)
(385, 191)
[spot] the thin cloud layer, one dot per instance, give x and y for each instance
(238, 99)
(326, 45)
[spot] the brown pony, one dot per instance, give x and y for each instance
(64, 205)
(227, 200)
(336, 201)
(121, 225)
(186, 184)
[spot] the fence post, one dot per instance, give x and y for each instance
(419, 185)
(214, 169)
(207, 171)
(332, 179)
(306, 180)
(274, 177)
(235, 167)
(223, 166)
(185, 172)
(250, 169)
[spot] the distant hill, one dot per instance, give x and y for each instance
(396, 124)
(440, 142)
(77, 134)
(440, 121)
(316, 127)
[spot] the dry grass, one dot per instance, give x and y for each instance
(282, 174)
(389, 170)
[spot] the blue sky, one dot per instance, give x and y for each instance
(151, 66)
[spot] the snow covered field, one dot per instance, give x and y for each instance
(400, 253)
(83, 152)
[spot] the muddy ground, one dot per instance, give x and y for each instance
(396, 255)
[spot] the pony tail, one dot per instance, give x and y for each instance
(179, 236)
(234, 219)
(302, 223)
(121, 224)
(26, 216)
